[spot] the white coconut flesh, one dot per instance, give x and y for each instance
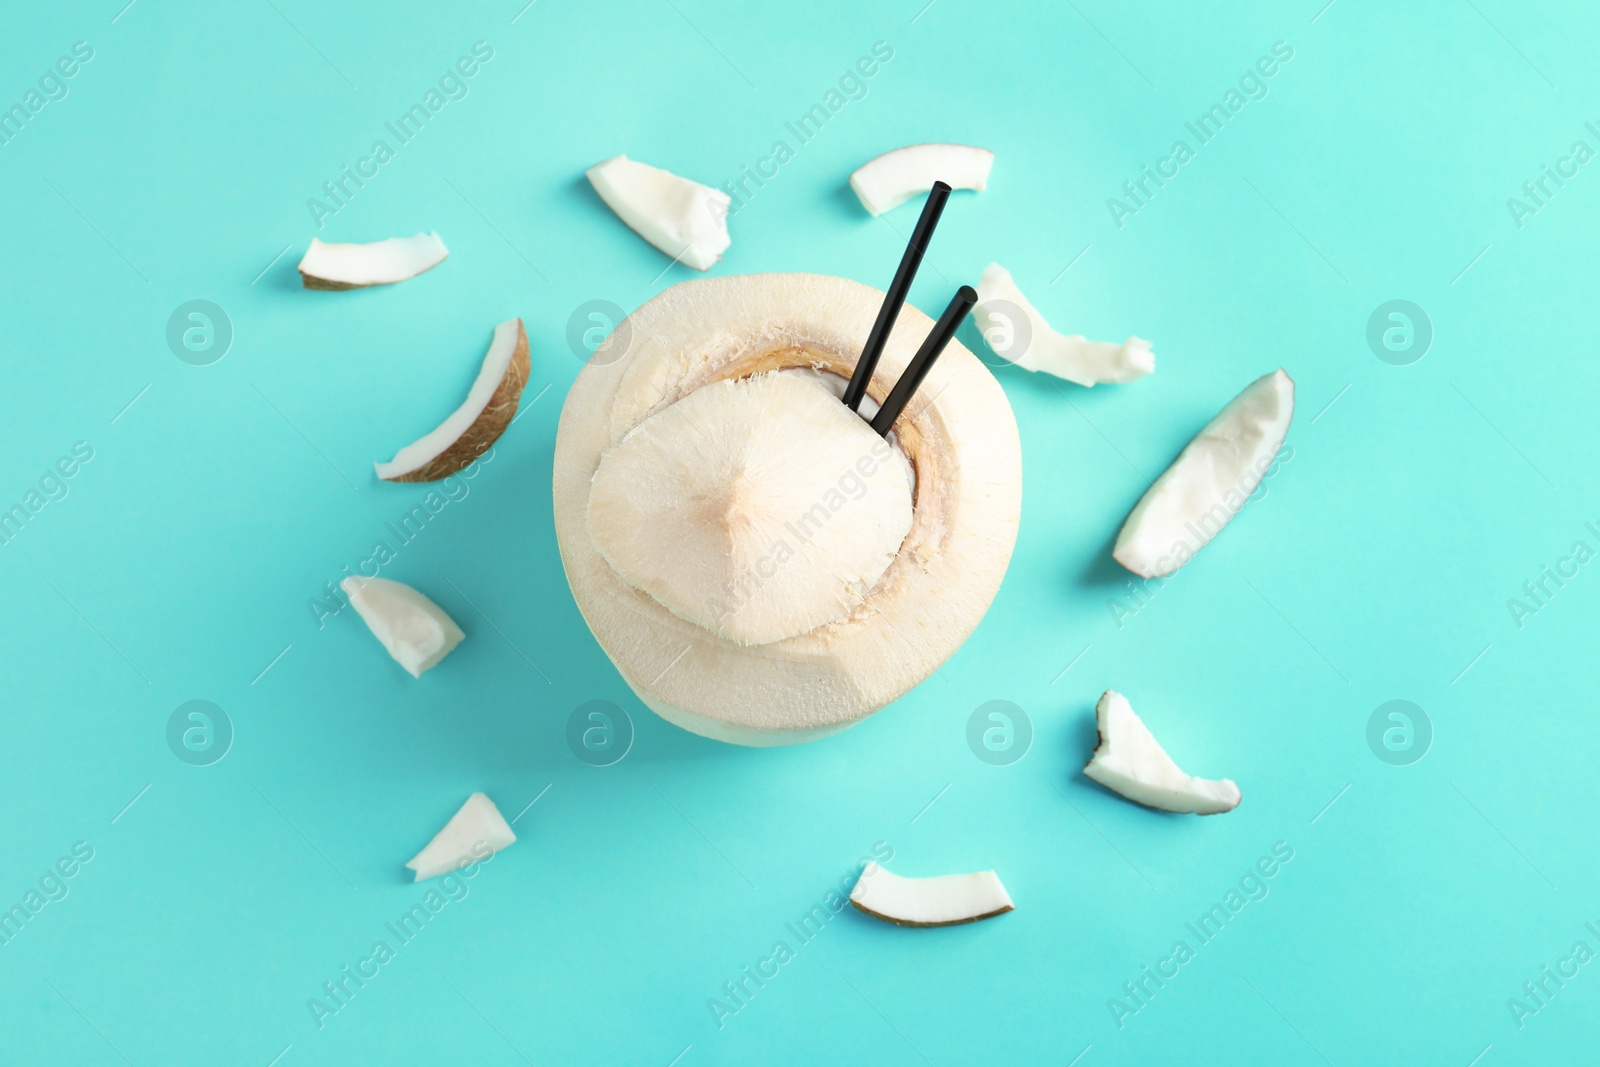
(354, 266)
(473, 833)
(1209, 481)
(759, 508)
(1015, 330)
(686, 220)
(943, 900)
(414, 630)
(881, 637)
(891, 179)
(478, 422)
(1129, 761)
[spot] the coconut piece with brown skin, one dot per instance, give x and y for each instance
(1131, 762)
(357, 266)
(490, 406)
(943, 900)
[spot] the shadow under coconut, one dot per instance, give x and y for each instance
(1102, 571)
(843, 202)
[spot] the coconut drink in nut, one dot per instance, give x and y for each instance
(764, 563)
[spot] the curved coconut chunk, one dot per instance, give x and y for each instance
(474, 833)
(686, 220)
(354, 266)
(1209, 481)
(895, 177)
(944, 900)
(758, 508)
(490, 406)
(1032, 345)
(415, 630)
(1129, 761)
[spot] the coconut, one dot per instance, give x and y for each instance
(475, 832)
(739, 549)
(942, 900)
(356, 266)
(1015, 330)
(1131, 762)
(483, 416)
(686, 220)
(889, 180)
(1212, 478)
(413, 629)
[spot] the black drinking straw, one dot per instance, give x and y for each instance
(896, 296)
(922, 362)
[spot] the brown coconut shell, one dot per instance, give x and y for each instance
(953, 922)
(487, 427)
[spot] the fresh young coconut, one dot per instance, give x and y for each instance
(417, 632)
(943, 900)
(686, 220)
(483, 416)
(474, 833)
(893, 178)
(355, 266)
(759, 569)
(1209, 481)
(1015, 330)
(1129, 761)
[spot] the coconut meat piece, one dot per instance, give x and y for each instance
(1015, 330)
(893, 178)
(468, 432)
(415, 631)
(1129, 761)
(1209, 481)
(354, 266)
(474, 833)
(686, 220)
(758, 508)
(944, 900)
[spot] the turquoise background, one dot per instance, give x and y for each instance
(1377, 566)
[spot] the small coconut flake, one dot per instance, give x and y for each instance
(490, 406)
(473, 834)
(943, 900)
(1015, 330)
(893, 178)
(686, 220)
(415, 631)
(1131, 762)
(356, 266)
